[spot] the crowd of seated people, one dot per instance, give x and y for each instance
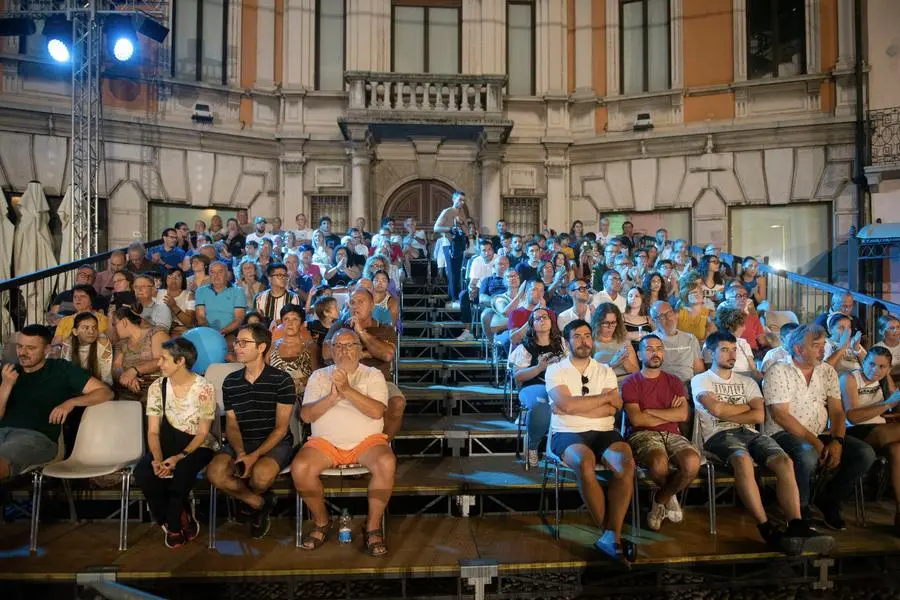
(626, 351)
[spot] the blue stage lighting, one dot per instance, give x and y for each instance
(58, 50)
(123, 49)
(121, 36)
(58, 32)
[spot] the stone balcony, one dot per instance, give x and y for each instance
(392, 105)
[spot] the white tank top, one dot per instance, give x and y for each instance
(868, 394)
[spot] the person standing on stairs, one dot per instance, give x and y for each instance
(449, 223)
(378, 349)
(584, 398)
(656, 403)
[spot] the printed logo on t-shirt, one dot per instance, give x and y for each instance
(730, 393)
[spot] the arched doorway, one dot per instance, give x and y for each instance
(423, 199)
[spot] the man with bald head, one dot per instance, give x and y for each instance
(345, 403)
(378, 349)
(682, 348)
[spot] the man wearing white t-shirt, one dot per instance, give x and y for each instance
(303, 233)
(611, 292)
(805, 415)
(584, 398)
(728, 405)
(580, 292)
(345, 403)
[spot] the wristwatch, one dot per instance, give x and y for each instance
(183, 454)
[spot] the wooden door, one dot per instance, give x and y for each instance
(423, 199)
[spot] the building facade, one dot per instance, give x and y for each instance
(537, 109)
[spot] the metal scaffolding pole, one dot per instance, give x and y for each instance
(87, 145)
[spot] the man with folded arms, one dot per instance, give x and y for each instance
(728, 405)
(345, 403)
(584, 398)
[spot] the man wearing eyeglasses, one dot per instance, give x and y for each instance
(580, 292)
(757, 336)
(346, 404)
(258, 402)
(584, 398)
(270, 302)
(682, 348)
(611, 292)
(168, 253)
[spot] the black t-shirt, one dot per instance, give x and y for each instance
(236, 245)
(254, 403)
(332, 240)
(35, 395)
(536, 351)
(526, 272)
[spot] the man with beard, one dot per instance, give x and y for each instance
(656, 402)
(584, 398)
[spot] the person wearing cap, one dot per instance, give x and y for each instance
(259, 233)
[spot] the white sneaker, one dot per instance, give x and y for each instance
(533, 458)
(673, 510)
(657, 515)
(466, 336)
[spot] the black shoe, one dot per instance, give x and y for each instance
(808, 538)
(244, 513)
(261, 523)
(771, 535)
(190, 526)
(623, 553)
(831, 516)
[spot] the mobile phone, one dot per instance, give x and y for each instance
(239, 469)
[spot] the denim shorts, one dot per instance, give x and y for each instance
(282, 453)
(761, 448)
(24, 448)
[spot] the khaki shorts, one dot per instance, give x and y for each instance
(643, 443)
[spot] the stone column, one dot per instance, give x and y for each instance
(556, 166)
(361, 151)
(490, 159)
(292, 199)
(846, 40)
(584, 52)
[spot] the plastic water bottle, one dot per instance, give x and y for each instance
(345, 535)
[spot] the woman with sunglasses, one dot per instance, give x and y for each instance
(541, 347)
(611, 344)
(711, 283)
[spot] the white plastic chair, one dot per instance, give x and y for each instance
(352, 470)
(215, 375)
(110, 440)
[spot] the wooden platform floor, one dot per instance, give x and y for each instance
(419, 547)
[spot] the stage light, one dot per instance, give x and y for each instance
(58, 31)
(121, 36)
(15, 26)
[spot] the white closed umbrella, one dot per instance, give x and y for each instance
(7, 231)
(66, 280)
(33, 250)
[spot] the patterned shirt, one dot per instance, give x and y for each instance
(786, 384)
(185, 413)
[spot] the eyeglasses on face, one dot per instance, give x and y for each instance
(239, 343)
(538, 318)
(608, 323)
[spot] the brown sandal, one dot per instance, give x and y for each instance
(316, 542)
(377, 548)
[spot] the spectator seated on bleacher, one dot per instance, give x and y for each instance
(485, 280)
(580, 292)
(637, 321)
(517, 322)
(344, 268)
(180, 410)
(294, 352)
(888, 334)
(36, 398)
(556, 283)
(656, 404)
(841, 302)
(495, 317)
(136, 355)
(168, 253)
(732, 320)
(103, 282)
(682, 349)
(220, 305)
(694, 315)
(387, 308)
(259, 232)
(179, 300)
(199, 273)
(271, 301)
(303, 232)
(611, 344)
(868, 394)
(752, 281)
(345, 403)
(331, 239)
(724, 269)
(584, 398)
(258, 400)
(780, 354)
(378, 347)
(88, 348)
(728, 407)
(151, 309)
(528, 269)
(843, 349)
(83, 296)
(541, 347)
(805, 415)
(611, 292)
(63, 304)
(757, 336)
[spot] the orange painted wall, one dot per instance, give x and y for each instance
(570, 44)
(708, 42)
(598, 66)
(129, 95)
(248, 56)
(715, 107)
(279, 41)
(828, 36)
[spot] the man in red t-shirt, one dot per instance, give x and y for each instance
(656, 402)
(517, 322)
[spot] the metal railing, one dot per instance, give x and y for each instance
(808, 298)
(884, 136)
(26, 299)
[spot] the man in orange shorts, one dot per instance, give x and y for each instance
(345, 404)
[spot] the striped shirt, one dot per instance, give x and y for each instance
(269, 305)
(254, 404)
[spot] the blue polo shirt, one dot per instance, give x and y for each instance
(220, 306)
(171, 258)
